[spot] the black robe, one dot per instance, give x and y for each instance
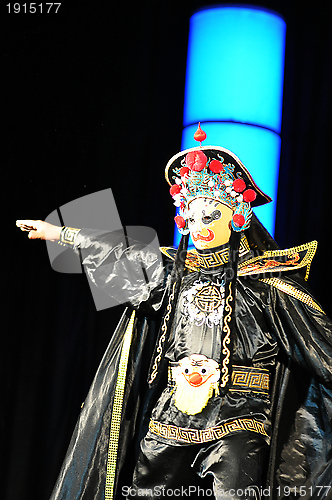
(271, 296)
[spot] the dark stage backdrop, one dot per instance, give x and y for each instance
(92, 98)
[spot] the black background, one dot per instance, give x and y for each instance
(92, 98)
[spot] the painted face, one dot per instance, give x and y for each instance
(208, 223)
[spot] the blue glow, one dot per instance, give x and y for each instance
(235, 67)
(234, 87)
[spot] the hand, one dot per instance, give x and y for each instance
(39, 229)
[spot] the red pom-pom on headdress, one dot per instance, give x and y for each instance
(175, 189)
(249, 195)
(179, 221)
(196, 160)
(239, 185)
(184, 171)
(216, 166)
(238, 220)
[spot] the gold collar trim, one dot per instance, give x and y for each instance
(195, 261)
(271, 261)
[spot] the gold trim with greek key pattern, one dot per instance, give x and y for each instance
(213, 259)
(195, 260)
(247, 379)
(293, 292)
(117, 411)
(67, 235)
(270, 261)
(197, 436)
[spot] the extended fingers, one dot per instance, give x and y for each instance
(26, 224)
(31, 226)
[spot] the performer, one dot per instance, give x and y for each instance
(234, 329)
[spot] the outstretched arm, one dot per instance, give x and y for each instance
(39, 229)
(126, 265)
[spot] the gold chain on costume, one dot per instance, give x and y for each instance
(117, 411)
(293, 292)
(226, 339)
(162, 337)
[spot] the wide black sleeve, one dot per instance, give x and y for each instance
(126, 264)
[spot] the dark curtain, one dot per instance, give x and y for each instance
(92, 99)
(303, 198)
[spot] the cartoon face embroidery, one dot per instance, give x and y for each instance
(196, 378)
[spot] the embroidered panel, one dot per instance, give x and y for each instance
(280, 260)
(204, 303)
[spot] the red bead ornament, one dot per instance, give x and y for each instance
(179, 221)
(175, 189)
(199, 135)
(249, 195)
(239, 185)
(196, 160)
(184, 171)
(216, 166)
(238, 220)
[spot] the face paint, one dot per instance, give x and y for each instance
(208, 223)
(215, 215)
(210, 236)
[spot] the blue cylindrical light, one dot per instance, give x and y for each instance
(234, 87)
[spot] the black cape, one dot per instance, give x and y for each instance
(272, 294)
